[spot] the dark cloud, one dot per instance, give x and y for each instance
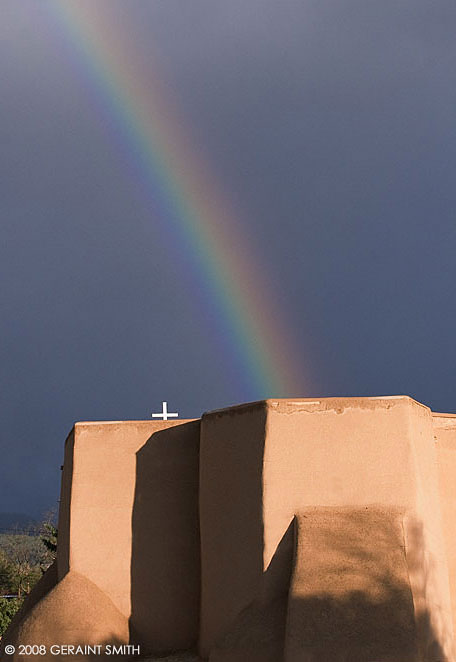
(331, 128)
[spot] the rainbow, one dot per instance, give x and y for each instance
(198, 216)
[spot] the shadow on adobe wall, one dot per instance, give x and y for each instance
(165, 565)
(366, 613)
(350, 595)
(356, 628)
(258, 633)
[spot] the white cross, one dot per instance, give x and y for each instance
(164, 414)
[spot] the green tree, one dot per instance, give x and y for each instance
(24, 554)
(24, 557)
(49, 538)
(5, 575)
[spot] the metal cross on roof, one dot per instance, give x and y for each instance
(165, 414)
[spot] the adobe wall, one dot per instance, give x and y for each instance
(350, 596)
(445, 441)
(235, 529)
(231, 515)
(296, 454)
(128, 539)
(133, 523)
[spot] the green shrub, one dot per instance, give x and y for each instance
(7, 610)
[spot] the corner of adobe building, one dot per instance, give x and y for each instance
(231, 517)
(263, 462)
(129, 494)
(352, 452)
(347, 447)
(134, 494)
(445, 443)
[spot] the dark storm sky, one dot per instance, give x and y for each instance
(331, 125)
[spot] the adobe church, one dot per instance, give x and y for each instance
(307, 530)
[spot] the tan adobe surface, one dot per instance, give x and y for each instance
(304, 530)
